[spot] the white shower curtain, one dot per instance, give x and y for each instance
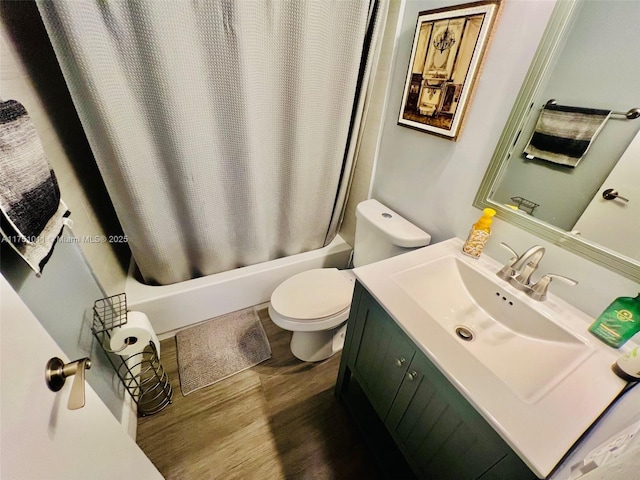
(224, 130)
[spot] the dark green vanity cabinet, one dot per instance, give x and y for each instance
(397, 395)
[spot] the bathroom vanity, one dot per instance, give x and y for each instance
(448, 406)
(433, 425)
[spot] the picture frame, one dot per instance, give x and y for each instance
(448, 49)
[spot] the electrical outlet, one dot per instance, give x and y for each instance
(606, 451)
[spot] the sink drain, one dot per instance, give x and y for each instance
(464, 333)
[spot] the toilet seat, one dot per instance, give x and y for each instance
(313, 300)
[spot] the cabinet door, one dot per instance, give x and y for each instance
(382, 356)
(439, 431)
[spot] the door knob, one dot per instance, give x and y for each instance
(56, 375)
(611, 194)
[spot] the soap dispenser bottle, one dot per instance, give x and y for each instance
(619, 322)
(479, 234)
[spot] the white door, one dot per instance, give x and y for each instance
(614, 223)
(39, 437)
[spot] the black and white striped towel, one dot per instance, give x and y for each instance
(563, 134)
(33, 213)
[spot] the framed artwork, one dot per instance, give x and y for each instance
(448, 47)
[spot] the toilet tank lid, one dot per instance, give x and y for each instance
(402, 232)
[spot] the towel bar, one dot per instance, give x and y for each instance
(630, 115)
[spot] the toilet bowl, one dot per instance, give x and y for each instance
(315, 304)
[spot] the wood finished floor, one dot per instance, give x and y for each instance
(277, 420)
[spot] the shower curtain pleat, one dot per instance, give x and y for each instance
(221, 128)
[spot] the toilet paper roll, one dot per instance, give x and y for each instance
(135, 334)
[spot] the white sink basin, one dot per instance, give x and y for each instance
(520, 345)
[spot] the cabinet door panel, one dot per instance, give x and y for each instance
(382, 359)
(442, 434)
(427, 412)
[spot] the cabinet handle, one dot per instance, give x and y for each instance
(400, 361)
(411, 376)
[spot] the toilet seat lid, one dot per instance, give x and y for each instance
(313, 294)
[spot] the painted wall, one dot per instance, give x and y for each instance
(433, 181)
(587, 73)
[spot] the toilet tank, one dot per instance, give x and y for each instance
(382, 233)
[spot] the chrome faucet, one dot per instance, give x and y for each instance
(519, 269)
(526, 265)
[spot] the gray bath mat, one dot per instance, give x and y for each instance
(220, 347)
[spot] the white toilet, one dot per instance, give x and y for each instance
(314, 304)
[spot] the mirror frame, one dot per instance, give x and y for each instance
(557, 26)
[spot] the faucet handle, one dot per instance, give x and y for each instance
(507, 272)
(539, 290)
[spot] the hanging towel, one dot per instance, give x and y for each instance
(563, 134)
(33, 213)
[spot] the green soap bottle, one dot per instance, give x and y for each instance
(619, 322)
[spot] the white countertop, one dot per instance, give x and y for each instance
(540, 432)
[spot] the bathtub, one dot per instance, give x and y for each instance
(175, 306)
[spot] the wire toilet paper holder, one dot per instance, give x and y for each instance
(141, 374)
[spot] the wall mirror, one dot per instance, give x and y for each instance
(587, 58)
